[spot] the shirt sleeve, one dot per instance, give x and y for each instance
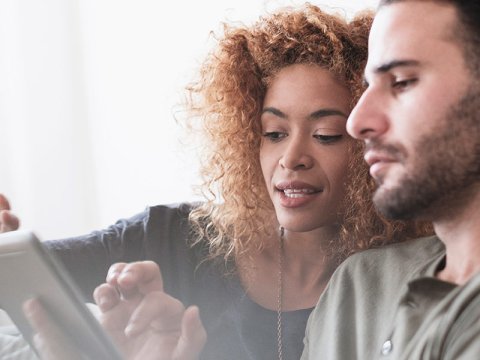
(158, 234)
(14, 347)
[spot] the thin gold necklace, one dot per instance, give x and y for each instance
(280, 294)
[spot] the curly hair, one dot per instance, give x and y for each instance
(227, 98)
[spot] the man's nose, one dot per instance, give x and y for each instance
(368, 118)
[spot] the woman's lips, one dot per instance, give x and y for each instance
(296, 194)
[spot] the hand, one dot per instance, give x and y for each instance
(144, 321)
(8, 221)
(49, 340)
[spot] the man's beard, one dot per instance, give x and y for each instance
(446, 163)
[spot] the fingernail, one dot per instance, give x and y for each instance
(28, 307)
(131, 330)
(103, 301)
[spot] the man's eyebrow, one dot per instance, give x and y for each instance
(382, 69)
(315, 115)
(394, 64)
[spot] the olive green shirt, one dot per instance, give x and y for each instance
(386, 304)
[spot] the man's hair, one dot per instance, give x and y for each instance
(468, 30)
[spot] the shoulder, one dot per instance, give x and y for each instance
(174, 213)
(403, 256)
(382, 270)
(180, 210)
(362, 296)
(167, 231)
(166, 220)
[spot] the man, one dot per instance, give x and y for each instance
(420, 120)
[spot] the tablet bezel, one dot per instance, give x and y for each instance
(29, 270)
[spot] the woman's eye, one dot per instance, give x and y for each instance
(274, 135)
(401, 85)
(328, 139)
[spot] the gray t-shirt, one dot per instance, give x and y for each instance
(451, 330)
(359, 310)
(386, 304)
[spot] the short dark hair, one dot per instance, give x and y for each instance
(468, 27)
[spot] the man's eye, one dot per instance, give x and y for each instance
(274, 135)
(328, 139)
(401, 85)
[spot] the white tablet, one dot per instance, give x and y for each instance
(28, 270)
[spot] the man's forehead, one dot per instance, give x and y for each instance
(409, 30)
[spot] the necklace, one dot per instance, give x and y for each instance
(280, 294)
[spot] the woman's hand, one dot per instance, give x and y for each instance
(8, 221)
(144, 321)
(49, 339)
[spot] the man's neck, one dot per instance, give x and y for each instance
(460, 232)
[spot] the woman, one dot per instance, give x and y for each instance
(287, 192)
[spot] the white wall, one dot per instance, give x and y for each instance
(88, 89)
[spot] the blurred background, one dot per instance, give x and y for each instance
(88, 94)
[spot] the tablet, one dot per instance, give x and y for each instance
(28, 270)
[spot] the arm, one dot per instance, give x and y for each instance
(88, 257)
(159, 234)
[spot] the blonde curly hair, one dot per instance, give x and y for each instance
(227, 98)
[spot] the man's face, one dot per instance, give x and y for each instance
(420, 116)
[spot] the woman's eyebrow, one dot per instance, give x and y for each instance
(315, 115)
(274, 111)
(327, 112)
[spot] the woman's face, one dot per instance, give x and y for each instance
(305, 148)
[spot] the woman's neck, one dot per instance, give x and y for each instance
(306, 269)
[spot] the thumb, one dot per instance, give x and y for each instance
(8, 221)
(48, 339)
(4, 204)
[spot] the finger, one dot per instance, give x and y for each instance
(113, 272)
(8, 221)
(4, 204)
(159, 311)
(49, 339)
(142, 276)
(35, 314)
(193, 336)
(106, 297)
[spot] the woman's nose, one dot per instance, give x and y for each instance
(296, 155)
